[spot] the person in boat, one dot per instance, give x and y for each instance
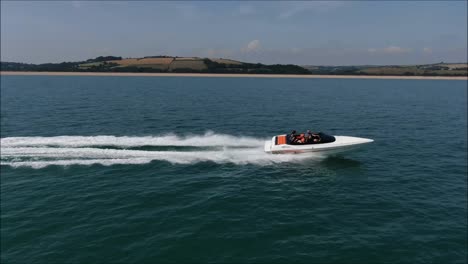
(297, 138)
(293, 137)
(300, 139)
(308, 137)
(312, 137)
(316, 138)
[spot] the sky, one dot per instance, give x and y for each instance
(303, 33)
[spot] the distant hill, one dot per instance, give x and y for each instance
(158, 64)
(168, 64)
(438, 69)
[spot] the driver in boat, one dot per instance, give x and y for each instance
(293, 137)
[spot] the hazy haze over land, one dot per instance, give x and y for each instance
(311, 33)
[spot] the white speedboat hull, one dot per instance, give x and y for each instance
(341, 144)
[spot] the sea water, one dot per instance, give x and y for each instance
(172, 169)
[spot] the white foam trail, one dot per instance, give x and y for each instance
(87, 156)
(207, 140)
(39, 152)
(104, 162)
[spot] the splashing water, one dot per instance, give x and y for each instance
(39, 152)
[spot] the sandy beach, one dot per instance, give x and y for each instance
(232, 75)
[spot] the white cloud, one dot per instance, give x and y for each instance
(395, 50)
(389, 50)
(246, 10)
(294, 8)
(296, 50)
(427, 50)
(253, 45)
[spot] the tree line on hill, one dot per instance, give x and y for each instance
(423, 70)
(254, 68)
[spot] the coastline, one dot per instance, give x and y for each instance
(130, 74)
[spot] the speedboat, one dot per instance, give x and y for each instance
(325, 144)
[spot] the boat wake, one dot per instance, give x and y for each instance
(39, 152)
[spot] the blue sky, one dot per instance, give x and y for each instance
(314, 32)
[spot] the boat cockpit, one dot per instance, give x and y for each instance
(303, 139)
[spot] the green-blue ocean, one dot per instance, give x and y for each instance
(172, 170)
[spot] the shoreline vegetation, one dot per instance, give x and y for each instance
(221, 75)
(219, 67)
